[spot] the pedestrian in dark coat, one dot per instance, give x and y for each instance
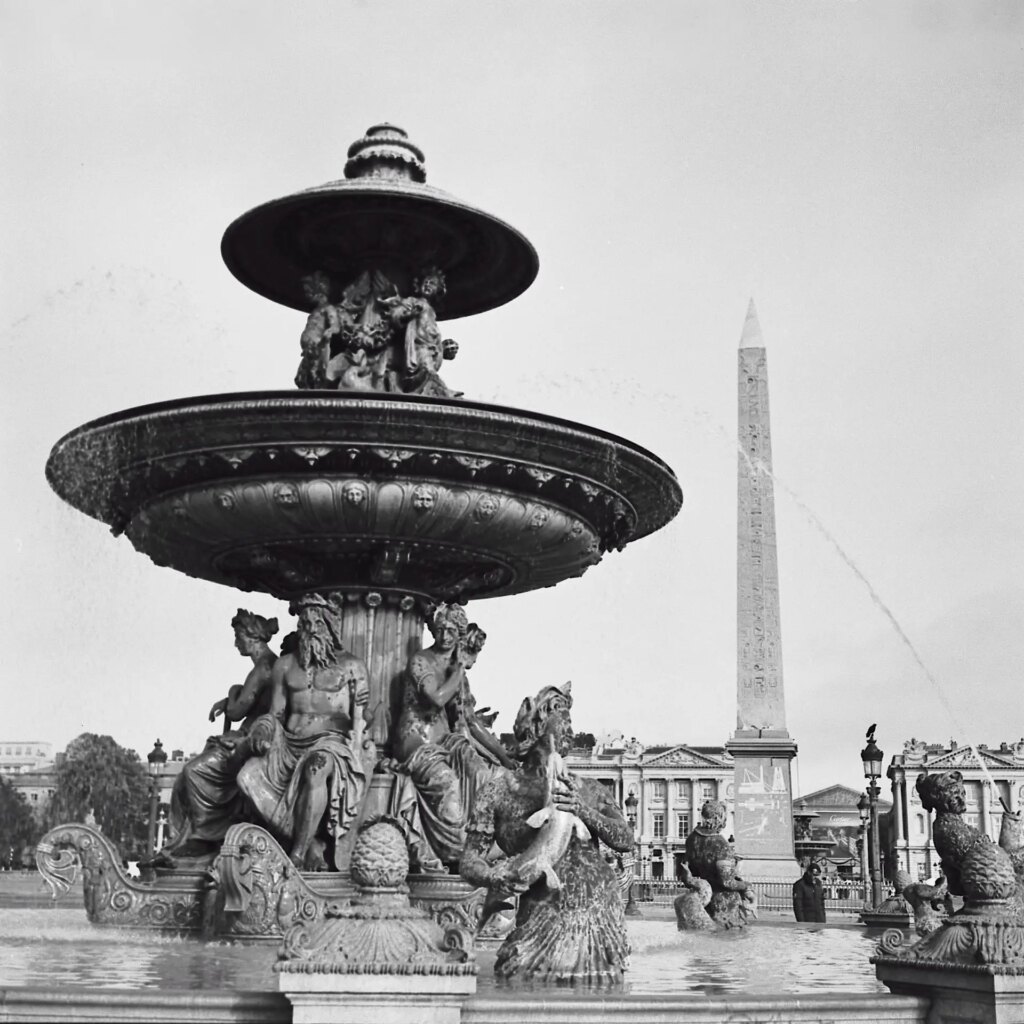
(809, 896)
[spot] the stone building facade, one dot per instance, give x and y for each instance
(993, 776)
(670, 784)
(18, 756)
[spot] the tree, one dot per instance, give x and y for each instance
(18, 827)
(584, 741)
(101, 778)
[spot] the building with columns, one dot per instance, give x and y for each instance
(993, 777)
(661, 789)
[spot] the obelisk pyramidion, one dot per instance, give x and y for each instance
(761, 745)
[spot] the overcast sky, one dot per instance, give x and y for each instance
(857, 168)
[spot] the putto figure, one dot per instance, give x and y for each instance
(570, 925)
(312, 767)
(205, 800)
(374, 339)
(422, 348)
(323, 324)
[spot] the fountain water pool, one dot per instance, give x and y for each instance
(58, 947)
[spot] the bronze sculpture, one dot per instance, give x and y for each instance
(205, 799)
(570, 926)
(711, 857)
(367, 499)
(311, 763)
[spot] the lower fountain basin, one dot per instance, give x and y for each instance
(58, 947)
(284, 492)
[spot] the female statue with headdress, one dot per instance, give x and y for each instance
(440, 743)
(205, 800)
(549, 823)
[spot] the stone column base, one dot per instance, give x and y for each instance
(960, 993)
(332, 998)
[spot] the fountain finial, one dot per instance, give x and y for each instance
(385, 151)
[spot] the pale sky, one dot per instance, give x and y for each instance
(857, 168)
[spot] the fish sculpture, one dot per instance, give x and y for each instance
(555, 829)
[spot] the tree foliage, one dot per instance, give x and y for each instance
(584, 741)
(108, 782)
(18, 827)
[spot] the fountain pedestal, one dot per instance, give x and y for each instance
(964, 994)
(377, 960)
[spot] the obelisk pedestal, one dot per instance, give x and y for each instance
(761, 746)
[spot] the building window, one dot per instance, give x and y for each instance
(708, 791)
(35, 798)
(920, 825)
(658, 825)
(682, 826)
(658, 788)
(683, 790)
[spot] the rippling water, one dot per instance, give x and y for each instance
(58, 947)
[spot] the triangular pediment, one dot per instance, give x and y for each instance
(683, 757)
(964, 757)
(833, 796)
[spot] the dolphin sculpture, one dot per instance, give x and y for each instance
(555, 829)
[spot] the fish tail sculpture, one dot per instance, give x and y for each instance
(554, 830)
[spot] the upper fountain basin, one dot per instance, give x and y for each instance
(285, 491)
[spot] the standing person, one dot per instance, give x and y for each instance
(809, 896)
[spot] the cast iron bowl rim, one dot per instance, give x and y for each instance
(316, 398)
(273, 210)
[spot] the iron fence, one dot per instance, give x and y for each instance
(773, 894)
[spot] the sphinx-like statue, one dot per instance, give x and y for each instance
(205, 798)
(974, 866)
(550, 824)
(311, 765)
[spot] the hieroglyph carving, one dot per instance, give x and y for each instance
(759, 656)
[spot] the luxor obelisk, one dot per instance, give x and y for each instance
(761, 746)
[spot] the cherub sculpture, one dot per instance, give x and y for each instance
(323, 324)
(423, 347)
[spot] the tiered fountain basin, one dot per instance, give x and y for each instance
(284, 492)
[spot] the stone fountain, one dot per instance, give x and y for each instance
(376, 500)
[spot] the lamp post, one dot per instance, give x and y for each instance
(864, 808)
(157, 758)
(632, 910)
(871, 758)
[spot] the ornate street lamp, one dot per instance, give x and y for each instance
(864, 808)
(632, 910)
(157, 758)
(871, 758)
